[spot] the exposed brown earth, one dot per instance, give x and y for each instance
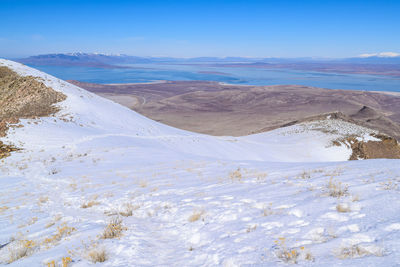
(387, 147)
(218, 109)
(23, 97)
(384, 147)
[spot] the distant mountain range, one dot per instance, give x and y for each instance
(115, 59)
(83, 59)
(376, 64)
(111, 60)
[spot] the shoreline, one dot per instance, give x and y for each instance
(152, 82)
(387, 93)
(392, 93)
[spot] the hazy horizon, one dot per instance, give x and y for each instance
(380, 55)
(186, 29)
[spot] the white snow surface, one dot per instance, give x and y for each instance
(196, 200)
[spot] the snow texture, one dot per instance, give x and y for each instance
(189, 199)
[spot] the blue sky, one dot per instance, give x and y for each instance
(321, 28)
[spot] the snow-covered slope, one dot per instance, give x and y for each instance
(190, 199)
(85, 117)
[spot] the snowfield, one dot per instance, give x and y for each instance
(98, 181)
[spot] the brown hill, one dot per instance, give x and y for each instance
(218, 109)
(23, 97)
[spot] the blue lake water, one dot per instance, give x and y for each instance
(139, 73)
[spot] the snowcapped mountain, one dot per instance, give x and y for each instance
(98, 182)
(383, 54)
(377, 58)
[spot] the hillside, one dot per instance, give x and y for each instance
(225, 109)
(94, 181)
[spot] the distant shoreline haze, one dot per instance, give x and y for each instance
(351, 74)
(100, 58)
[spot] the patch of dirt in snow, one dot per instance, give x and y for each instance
(365, 143)
(5, 150)
(23, 97)
(383, 147)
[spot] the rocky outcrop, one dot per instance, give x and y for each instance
(23, 97)
(384, 147)
(387, 147)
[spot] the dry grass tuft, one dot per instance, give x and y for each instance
(21, 249)
(89, 204)
(359, 251)
(251, 228)
(97, 254)
(291, 255)
(50, 224)
(197, 215)
(305, 175)
(128, 210)
(343, 207)
(309, 257)
(236, 175)
(143, 183)
(337, 189)
(113, 229)
(389, 185)
(73, 186)
(65, 261)
(3, 208)
(267, 211)
(285, 254)
(43, 199)
(62, 231)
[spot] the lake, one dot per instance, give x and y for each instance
(143, 73)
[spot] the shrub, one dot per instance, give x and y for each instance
(291, 255)
(62, 231)
(97, 254)
(128, 211)
(285, 254)
(336, 189)
(113, 229)
(20, 249)
(236, 175)
(64, 262)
